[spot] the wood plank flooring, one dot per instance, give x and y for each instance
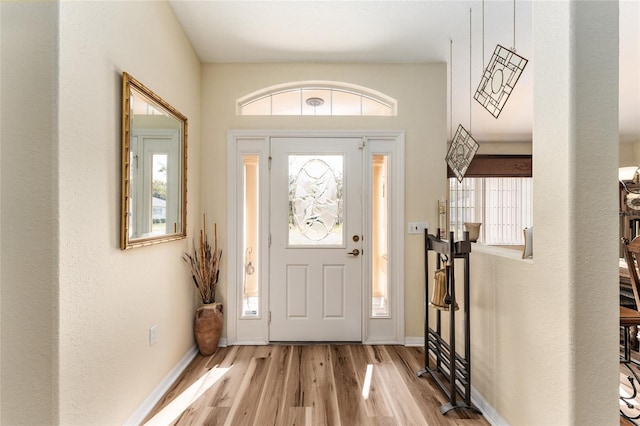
(320, 384)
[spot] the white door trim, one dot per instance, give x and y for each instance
(387, 330)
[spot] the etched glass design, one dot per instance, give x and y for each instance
(315, 200)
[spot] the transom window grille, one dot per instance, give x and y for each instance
(503, 205)
(317, 98)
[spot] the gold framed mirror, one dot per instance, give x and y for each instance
(154, 168)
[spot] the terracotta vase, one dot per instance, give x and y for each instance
(208, 327)
(474, 230)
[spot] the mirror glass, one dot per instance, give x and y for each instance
(154, 144)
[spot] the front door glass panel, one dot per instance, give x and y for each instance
(316, 200)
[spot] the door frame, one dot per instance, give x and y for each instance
(255, 331)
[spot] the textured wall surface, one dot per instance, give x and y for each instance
(575, 151)
(501, 289)
(28, 269)
(109, 298)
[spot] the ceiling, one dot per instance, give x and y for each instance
(402, 32)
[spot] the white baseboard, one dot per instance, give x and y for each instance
(489, 413)
(414, 341)
(382, 342)
(249, 343)
(158, 392)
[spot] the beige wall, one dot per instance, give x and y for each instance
(421, 94)
(109, 298)
(629, 154)
(487, 147)
(76, 315)
(28, 270)
(501, 292)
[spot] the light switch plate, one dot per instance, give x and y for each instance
(153, 334)
(417, 227)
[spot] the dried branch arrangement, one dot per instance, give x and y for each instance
(205, 264)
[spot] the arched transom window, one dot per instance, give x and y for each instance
(317, 98)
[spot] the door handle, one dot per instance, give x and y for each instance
(355, 252)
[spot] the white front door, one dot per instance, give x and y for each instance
(316, 239)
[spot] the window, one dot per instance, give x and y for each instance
(317, 98)
(380, 237)
(250, 248)
(503, 205)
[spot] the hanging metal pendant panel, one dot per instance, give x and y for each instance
(461, 152)
(499, 79)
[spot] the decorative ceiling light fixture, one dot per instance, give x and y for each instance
(315, 101)
(463, 147)
(501, 75)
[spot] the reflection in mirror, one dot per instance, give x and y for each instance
(154, 144)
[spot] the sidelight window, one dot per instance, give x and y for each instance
(251, 248)
(380, 237)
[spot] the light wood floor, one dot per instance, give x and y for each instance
(307, 385)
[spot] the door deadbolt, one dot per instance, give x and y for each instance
(355, 252)
(356, 238)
